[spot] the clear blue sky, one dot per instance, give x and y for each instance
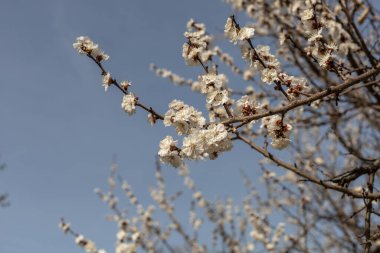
(60, 130)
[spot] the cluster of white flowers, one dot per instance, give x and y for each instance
(264, 62)
(127, 238)
(196, 48)
(214, 86)
(183, 118)
(217, 114)
(88, 245)
(169, 152)
(247, 106)
(296, 86)
(318, 47)
(129, 103)
(84, 45)
(201, 143)
(277, 130)
(235, 34)
(206, 142)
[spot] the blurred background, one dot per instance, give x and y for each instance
(60, 131)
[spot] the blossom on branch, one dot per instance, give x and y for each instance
(183, 117)
(277, 130)
(236, 34)
(84, 45)
(129, 103)
(169, 153)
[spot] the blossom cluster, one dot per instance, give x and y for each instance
(199, 144)
(196, 50)
(277, 130)
(235, 33)
(214, 86)
(184, 118)
(84, 45)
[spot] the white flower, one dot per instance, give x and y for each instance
(269, 75)
(257, 235)
(121, 235)
(135, 236)
(193, 147)
(98, 54)
(296, 86)
(152, 119)
(247, 54)
(183, 117)
(215, 87)
(84, 45)
(90, 247)
(280, 143)
(315, 35)
(126, 248)
(246, 106)
(80, 240)
(129, 103)
(195, 49)
(169, 153)
(206, 142)
(217, 140)
(217, 97)
(107, 81)
(307, 14)
(65, 227)
(217, 113)
(269, 59)
(231, 31)
(190, 54)
(278, 131)
(125, 85)
(212, 81)
(235, 34)
(246, 33)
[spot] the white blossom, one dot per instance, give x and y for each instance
(84, 45)
(246, 33)
(126, 248)
(307, 14)
(235, 34)
(152, 119)
(215, 87)
(206, 142)
(129, 103)
(278, 131)
(107, 81)
(246, 106)
(297, 86)
(169, 153)
(269, 75)
(266, 57)
(183, 117)
(65, 227)
(231, 31)
(190, 54)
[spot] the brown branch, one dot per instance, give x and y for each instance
(331, 90)
(310, 178)
(115, 82)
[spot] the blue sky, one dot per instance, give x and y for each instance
(60, 130)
